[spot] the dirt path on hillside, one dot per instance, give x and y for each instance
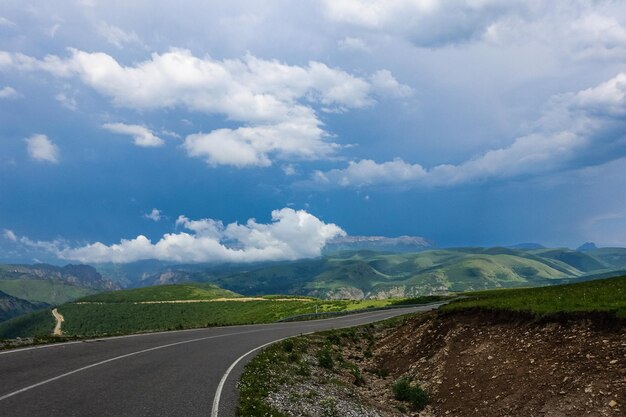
(59, 319)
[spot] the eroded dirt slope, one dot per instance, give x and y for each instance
(478, 364)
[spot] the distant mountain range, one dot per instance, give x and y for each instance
(405, 266)
(400, 244)
(378, 274)
(29, 287)
(12, 306)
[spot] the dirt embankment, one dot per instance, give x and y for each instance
(481, 364)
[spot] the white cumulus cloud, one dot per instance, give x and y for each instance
(274, 101)
(292, 234)
(142, 136)
(253, 146)
(41, 148)
(578, 129)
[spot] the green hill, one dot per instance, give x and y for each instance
(369, 274)
(583, 261)
(172, 307)
(12, 306)
(603, 295)
(613, 257)
(39, 291)
(39, 323)
(190, 291)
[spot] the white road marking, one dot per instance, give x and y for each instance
(98, 339)
(220, 386)
(214, 411)
(93, 365)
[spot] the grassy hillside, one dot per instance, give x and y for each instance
(39, 323)
(171, 307)
(191, 291)
(83, 276)
(582, 261)
(368, 274)
(39, 291)
(12, 306)
(129, 317)
(375, 274)
(613, 257)
(607, 295)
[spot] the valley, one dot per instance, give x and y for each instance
(336, 282)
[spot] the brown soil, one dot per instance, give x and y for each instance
(481, 364)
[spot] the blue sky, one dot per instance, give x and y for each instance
(155, 130)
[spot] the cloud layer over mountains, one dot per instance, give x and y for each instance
(292, 234)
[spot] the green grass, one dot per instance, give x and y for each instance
(157, 308)
(98, 319)
(50, 292)
(123, 318)
(191, 291)
(606, 295)
(298, 361)
(39, 323)
(422, 273)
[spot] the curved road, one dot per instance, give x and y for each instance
(159, 374)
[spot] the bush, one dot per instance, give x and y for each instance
(379, 372)
(325, 358)
(333, 339)
(403, 391)
(288, 345)
(358, 377)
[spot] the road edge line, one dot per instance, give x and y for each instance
(220, 386)
(113, 359)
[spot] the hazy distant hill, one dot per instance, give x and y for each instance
(42, 283)
(12, 306)
(378, 243)
(377, 274)
(370, 274)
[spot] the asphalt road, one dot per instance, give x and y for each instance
(159, 374)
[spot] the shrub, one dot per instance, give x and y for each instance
(358, 377)
(288, 345)
(325, 358)
(303, 370)
(379, 372)
(329, 407)
(403, 391)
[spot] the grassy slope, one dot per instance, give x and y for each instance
(423, 272)
(119, 312)
(122, 318)
(614, 257)
(12, 306)
(457, 270)
(192, 291)
(50, 292)
(40, 323)
(607, 295)
(582, 261)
